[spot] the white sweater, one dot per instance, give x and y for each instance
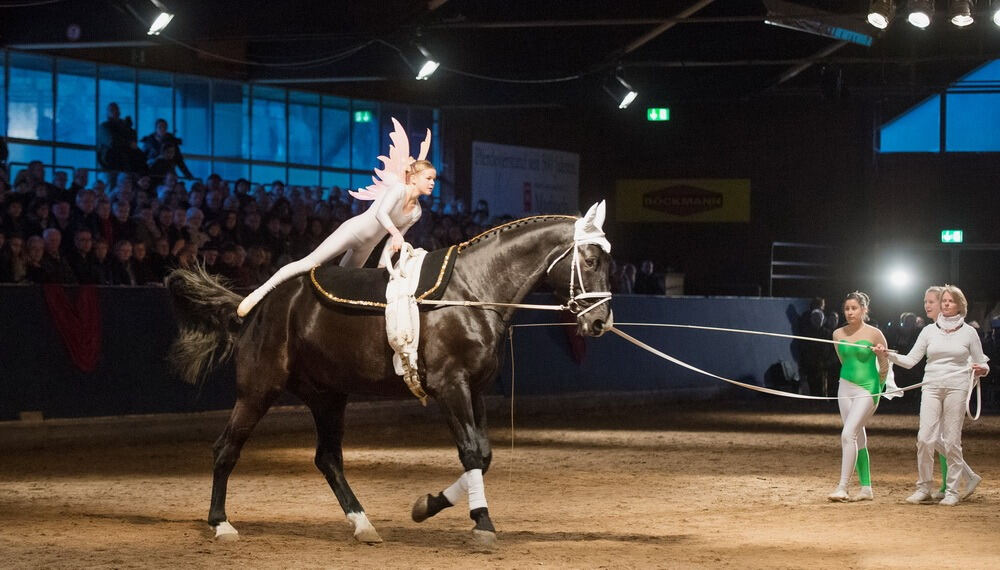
(948, 355)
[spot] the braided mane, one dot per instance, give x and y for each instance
(514, 223)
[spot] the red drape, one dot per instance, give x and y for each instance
(79, 326)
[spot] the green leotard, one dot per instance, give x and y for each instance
(860, 366)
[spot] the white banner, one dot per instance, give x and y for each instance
(520, 180)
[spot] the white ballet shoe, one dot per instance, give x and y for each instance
(864, 495)
(970, 486)
(839, 495)
(918, 497)
(949, 500)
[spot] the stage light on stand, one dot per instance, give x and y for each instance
(621, 91)
(881, 13)
(919, 13)
(899, 278)
(960, 12)
(161, 21)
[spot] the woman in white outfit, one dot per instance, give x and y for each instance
(395, 210)
(954, 355)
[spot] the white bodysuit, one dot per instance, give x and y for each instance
(355, 238)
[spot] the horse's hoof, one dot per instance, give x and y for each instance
(484, 538)
(224, 532)
(368, 536)
(421, 509)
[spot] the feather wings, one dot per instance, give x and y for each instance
(395, 165)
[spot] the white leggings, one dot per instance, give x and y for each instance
(855, 411)
(942, 413)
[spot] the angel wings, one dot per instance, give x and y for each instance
(394, 166)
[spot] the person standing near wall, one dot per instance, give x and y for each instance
(954, 357)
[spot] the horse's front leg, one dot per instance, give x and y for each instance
(474, 452)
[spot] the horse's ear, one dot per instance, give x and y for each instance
(589, 216)
(599, 215)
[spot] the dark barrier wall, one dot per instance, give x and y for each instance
(137, 326)
(545, 361)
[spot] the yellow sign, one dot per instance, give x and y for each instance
(686, 200)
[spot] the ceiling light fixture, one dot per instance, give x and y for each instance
(429, 65)
(919, 13)
(881, 13)
(161, 21)
(960, 12)
(620, 90)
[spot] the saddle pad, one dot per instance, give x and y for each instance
(363, 288)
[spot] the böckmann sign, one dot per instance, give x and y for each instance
(695, 200)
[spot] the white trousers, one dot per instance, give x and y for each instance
(855, 411)
(942, 415)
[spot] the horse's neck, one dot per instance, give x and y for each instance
(507, 268)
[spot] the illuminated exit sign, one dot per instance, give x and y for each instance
(658, 114)
(362, 116)
(951, 236)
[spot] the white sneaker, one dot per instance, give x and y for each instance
(839, 495)
(970, 486)
(949, 500)
(918, 497)
(864, 495)
(937, 495)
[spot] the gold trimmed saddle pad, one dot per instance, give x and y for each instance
(363, 288)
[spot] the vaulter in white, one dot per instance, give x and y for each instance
(396, 190)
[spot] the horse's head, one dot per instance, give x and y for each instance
(579, 274)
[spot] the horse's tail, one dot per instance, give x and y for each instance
(206, 317)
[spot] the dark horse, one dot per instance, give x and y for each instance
(295, 341)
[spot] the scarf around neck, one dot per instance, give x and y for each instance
(949, 324)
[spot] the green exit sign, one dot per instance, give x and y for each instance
(362, 116)
(951, 236)
(657, 114)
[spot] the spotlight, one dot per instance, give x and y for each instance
(899, 278)
(621, 91)
(960, 12)
(920, 13)
(881, 12)
(995, 12)
(429, 66)
(161, 21)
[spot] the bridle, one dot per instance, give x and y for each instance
(576, 281)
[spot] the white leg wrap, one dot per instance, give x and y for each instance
(360, 522)
(458, 490)
(477, 491)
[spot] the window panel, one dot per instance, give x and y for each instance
(193, 119)
(3, 92)
(231, 114)
(30, 98)
(156, 101)
(303, 128)
(365, 136)
(336, 132)
(231, 171)
(303, 177)
(76, 158)
(972, 122)
(918, 130)
(21, 154)
(269, 124)
(341, 180)
(76, 102)
(200, 168)
(264, 174)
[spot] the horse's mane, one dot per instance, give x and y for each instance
(497, 230)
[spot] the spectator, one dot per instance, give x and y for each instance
(84, 214)
(37, 217)
(104, 226)
(61, 219)
(163, 260)
(192, 233)
(54, 266)
(646, 282)
(114, 139)
(123, 271)
(122, 226)
(102, 262)
(81, 176)
(153, 145)
(13, 259)
(628, 279)
(146, 228)
(142, 266)
(81, 258)
(14, 221)
(812, 355)
(34, 253)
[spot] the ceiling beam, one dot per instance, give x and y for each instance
(655, 32)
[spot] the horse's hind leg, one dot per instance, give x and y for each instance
(474, 452)
(227, 448)
(329, 416)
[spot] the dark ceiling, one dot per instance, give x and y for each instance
(498, 53)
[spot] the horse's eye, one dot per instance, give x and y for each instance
(590, 262)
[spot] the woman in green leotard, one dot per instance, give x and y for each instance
(862, 379)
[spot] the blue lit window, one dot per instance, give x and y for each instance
(30, 106)
(193, 118)
(336, 135)
(269, 125)
(231, 113)
(919, 130)
(76, 102)
(156, 101)
(303, 129)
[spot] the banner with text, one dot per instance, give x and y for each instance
(520, 180)
(687, 200)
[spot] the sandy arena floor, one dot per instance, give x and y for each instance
(679, 487)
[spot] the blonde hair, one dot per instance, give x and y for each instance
(958, 297)
(936, 289)
(418, 166)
